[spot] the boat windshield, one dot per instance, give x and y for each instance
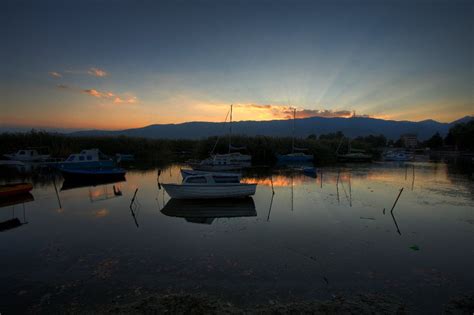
(225, 179)
(196, 180)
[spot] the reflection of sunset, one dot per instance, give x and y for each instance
(278, 180)
(101, 213)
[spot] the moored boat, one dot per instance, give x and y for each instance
(29, 155)
(208, 186)
(91, 158)
(14, 189)
(217, 163)
(295, 157)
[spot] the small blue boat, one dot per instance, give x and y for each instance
(93, 174)
(87, 159)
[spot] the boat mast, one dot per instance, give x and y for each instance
(230, 128)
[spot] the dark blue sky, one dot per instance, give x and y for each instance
(114, 64)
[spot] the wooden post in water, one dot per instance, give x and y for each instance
(57, 194)
(321, 178)
(413, 181)
(396, 200)
(350, 190)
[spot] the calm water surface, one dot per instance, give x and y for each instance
(315, 238)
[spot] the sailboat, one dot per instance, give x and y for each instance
(225, 162)
(295, 156)
(352, 155)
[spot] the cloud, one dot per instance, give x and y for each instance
(123, 98)
(116, 99)
(96, 72)
(286, 112)
(55, 74)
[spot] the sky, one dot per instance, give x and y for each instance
(125, 64)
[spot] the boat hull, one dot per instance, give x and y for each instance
(205, 191)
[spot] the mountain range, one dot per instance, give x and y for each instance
(351, 127)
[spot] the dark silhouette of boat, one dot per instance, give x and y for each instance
(70, 183)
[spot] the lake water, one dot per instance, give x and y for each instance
(315, 238)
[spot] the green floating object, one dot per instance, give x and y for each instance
(414, 247)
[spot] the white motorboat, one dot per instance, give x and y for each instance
(29, 155)
(209, 186)
(232, 176)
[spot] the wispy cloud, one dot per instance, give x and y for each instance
(96, 72)
(116, 99)
(55, 74)
(111, 97)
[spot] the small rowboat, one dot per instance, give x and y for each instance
(96, 174)
(14, 189)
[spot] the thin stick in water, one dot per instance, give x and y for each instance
(396, 200)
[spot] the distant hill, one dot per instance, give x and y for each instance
(351, 127)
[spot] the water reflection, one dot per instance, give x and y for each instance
(205, 211)
(337, 232)
(13, 221)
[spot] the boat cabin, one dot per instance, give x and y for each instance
(87, 156)
(211, 179)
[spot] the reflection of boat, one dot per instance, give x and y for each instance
(205, 211)
(354, 157)
(120, 157)
(94, 174)
(12, 201)
(72, 184)
(310, 171)
(92, 158)
(29, 155)
(295, 157)
(14, 189)
(186, 172)
(209, 186)
(397, 156)
(16, 199)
